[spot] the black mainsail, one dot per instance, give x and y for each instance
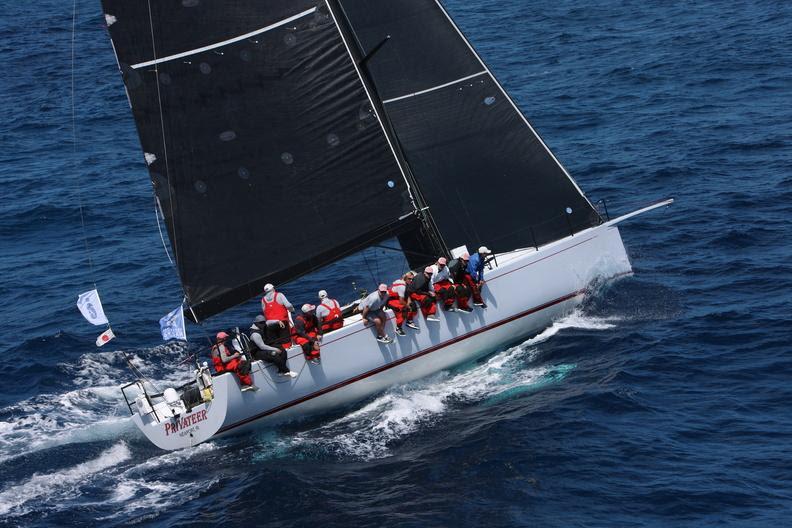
(264, 151)
(283, 135)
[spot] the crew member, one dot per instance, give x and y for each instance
(304, 333)
(420, 290)
(371, 309)
(328, 313)
(463, 282)
(476, 270)
(264, 352)
(276, 307)
(401, 304)
(442, 284)
(226, 359)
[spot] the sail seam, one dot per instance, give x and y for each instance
(432, 89)
(514, 105)
(224, 42)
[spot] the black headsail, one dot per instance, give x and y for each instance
(264, 151)
(485, 173)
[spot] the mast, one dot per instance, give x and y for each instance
(360, 58)
(489, 177)
(266, 123)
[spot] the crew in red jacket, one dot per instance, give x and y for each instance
(227, 359)
(305, 331)
(442, 284)
(276, 307)
(328, 313)
(399, 301)
(421, 291)
(463, 282)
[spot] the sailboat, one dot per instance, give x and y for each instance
(375, 120)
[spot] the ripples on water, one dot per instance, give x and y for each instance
(663, 401)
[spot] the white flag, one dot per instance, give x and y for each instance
(91, 307)
(172, 325)
(104, 337)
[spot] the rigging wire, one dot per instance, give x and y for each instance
(162, 128)
(132, 367)
(167, 174)
(368, 266)
(376, 265)
(137, 371)
(157, 213)
(128, 361)
(74, 143)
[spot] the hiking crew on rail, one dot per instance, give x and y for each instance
(276, 330)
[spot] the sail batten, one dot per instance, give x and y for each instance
(433, 88)
(282, 136)
(224, 42)
(517, 109)
(481, 166)
(276, 165)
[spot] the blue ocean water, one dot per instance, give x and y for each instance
(662, 402)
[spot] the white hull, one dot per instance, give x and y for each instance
(525, 292)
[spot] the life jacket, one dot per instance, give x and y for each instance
(217, 361)
(393, 295)
(256, 330)
(308, 323)
(333, 320)
(273, 310)
(420, 285)
(458, 270)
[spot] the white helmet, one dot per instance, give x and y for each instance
(268, 288)
(322, 294)
(484, 251)
(307, 308)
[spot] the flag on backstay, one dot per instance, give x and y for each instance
(172, 325)
(104, 337)
(91, 308)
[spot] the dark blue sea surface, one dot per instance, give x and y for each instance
(663, 401)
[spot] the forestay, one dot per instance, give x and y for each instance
(263, 149)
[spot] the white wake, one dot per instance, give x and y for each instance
(59, 486)
(369, 432)
(93, 411)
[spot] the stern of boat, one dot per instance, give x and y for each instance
(172, 419)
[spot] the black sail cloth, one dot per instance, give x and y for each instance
(486, 175)
(252, 116)
(264, 152)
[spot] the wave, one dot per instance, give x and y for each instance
(577, 319)
(59, 486)
(370, 432)
(94, 411)
(145, 497)
(135, 490)
(47, 421)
